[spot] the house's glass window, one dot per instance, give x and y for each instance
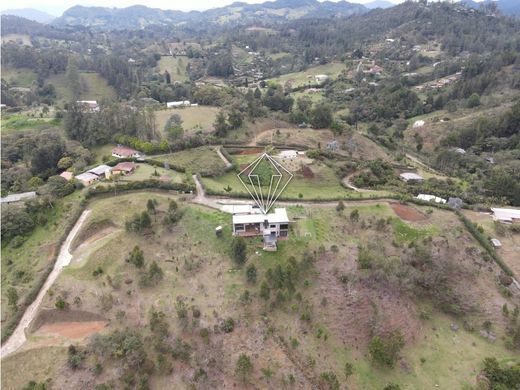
(284, 226)
(273, 226)
(283, 233)
(239, 227)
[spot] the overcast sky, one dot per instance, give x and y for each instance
(56, 7)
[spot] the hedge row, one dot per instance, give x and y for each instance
(9, 327)
(140, 185)
(484, 241)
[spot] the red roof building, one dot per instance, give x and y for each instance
(125, 152)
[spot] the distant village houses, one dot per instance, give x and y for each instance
(125, 152)
(90, 105)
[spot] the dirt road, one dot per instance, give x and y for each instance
(18, 337)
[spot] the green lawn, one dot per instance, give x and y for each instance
(176, 67)
(147, 172)
(199, 118)
(95, 87)
(297, 79)
(18, 122)
(324, 185)
(20, 77)
(204, 160)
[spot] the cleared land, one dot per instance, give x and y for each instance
(94, 87)
(18, 77)
(299, 79)
(327, 320)
(176, 67)
(204, 160)
(194, 119)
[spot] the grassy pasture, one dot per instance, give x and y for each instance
(197, 266)
(298, 79)
(202, 159)
(176, 67)
(324, 185)
(20, 77)
(198, 118)
(95, 87)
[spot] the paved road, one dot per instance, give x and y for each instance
(18, 337)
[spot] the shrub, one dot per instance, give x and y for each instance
(61, 304)
(228, 325)
(385, 349)
(251, 274)
(239, 250)
(329, 381)
(243, 367)
(136, 257)
(153, 275)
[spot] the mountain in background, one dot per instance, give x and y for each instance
(237, 13)
(31, 14)
(379, 4)
(507, 7)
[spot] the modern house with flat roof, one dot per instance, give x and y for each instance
(248, 225)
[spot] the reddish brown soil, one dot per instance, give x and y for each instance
(355, 312)
(307, 172)
(72, 330)
(249, 151)
(407, 213)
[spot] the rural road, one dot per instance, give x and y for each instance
(18, 337)
(346, 181)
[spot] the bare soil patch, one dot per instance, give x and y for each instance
(93, 231)
(407, 213)
(72, 330)
(46, 317)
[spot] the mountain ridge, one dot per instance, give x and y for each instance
(31, 14)
(139, 16)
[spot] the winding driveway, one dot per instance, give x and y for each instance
(18, 337)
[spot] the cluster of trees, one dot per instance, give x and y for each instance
(319, 115)
(97, 128)
(28, 159)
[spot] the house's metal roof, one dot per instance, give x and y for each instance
(279, 216)
(18, 197)
(100, 170)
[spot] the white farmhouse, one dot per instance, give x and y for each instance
(249, 225)
(180, 103)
